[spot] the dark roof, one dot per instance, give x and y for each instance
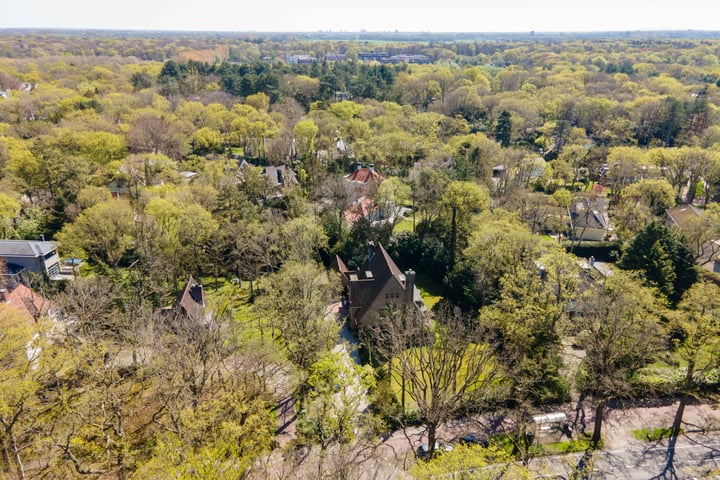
(280, 175)
(371, 278)
(25, 248)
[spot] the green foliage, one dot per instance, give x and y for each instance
(219, 440)
(652, 434)
(472, 462)
(660, 253)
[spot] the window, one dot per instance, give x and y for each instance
(54, 270)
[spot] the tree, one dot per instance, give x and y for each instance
(619, 331)
(503, 129)
(698, 319)
(9, 210)
(443, 366)
(104, 232)
(295, 307)
(428, 186)
(640, 203)
(660, 253)
(336, 402)
(459, 202)
(305, 132)
(392, 195)
(27, 363)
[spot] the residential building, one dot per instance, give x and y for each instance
(35, 256)
(189, 304)
(364, 181)
(362, 185)
(336, 57)
(589, 219)
(300, 59)
(28, 305)
(278, 178)
(377, 286)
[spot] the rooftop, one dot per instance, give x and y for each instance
(25, 248)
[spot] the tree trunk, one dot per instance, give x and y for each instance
(18, 459)
(687, 387)
(453, 237)
(595, 440)
(432, 433)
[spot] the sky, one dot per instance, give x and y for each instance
(369, 15)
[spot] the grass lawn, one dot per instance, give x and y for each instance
(430, 290)
(652, 434)
(404, 225)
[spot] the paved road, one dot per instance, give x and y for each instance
(696, 455)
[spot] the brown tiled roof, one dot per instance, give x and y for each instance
(364, 175)
(30, 304)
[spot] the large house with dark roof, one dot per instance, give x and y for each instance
(376, 286)
(35, 256)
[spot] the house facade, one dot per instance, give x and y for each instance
(35, 256)
(377, 286)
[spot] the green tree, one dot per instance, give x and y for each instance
(503, 129)
(392, 195)
(698, 319)
(305, 132)
(104, 232)
(295, 305)
(619, 331)
(458, 203)
(660, 254)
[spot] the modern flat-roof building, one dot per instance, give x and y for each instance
(35, 256)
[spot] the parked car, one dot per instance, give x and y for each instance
(423, 449)
(473, 439)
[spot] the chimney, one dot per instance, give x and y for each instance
(358, 166)
(4, 297)
(371, 250)
(372, 167)
(409, 285)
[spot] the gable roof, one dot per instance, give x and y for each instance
(375, 274)
(364, 175)
(280, 175)
(362, 208)
(681, 214)
(191, 301)
(29, 304)
(586, 213)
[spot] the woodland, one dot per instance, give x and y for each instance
(483, 152)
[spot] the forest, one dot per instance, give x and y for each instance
(145, 155)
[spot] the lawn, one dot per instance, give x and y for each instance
(430, 290)
(404, 225)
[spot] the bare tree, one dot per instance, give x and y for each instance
(445, 366)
